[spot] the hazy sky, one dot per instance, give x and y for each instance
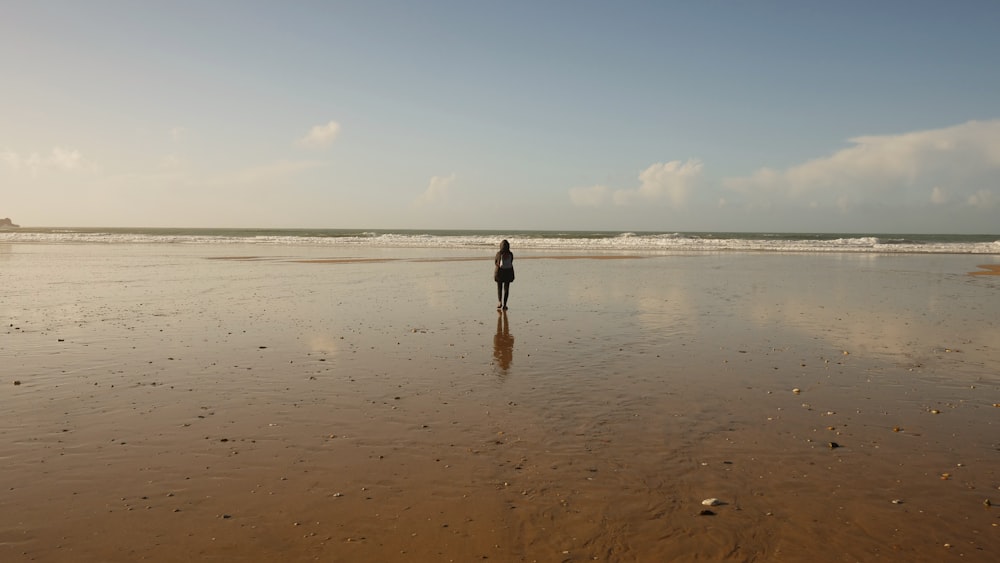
(676, 116)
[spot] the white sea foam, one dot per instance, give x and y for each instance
(604, 242)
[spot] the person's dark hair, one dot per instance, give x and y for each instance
(504, 246)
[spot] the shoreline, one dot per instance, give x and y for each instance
(553, 241)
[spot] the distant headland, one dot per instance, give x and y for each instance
(6, 223)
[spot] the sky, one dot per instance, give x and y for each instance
(776, 116)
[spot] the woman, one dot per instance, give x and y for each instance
(503, 273)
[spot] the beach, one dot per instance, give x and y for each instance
(240, 402)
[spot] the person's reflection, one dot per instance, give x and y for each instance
(503, 343)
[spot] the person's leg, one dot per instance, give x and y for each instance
(499, 294)
(506, 293)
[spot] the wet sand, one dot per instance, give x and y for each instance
(172, 403)
(987, 270)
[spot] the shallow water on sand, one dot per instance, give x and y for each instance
(219, 404)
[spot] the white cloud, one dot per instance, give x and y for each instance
(939, 196)
(593, 196)
(669, 182)
(664, 181)
(889, 169)
(10, 160)
(66, 159)
(983, 199)
(437, 190)
(321, 135)
(58, 160)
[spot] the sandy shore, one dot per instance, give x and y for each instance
(175, 403)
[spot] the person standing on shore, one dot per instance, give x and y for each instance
(503, 273)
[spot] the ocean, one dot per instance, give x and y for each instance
(610, 241)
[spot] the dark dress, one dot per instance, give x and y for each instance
(503, 275)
